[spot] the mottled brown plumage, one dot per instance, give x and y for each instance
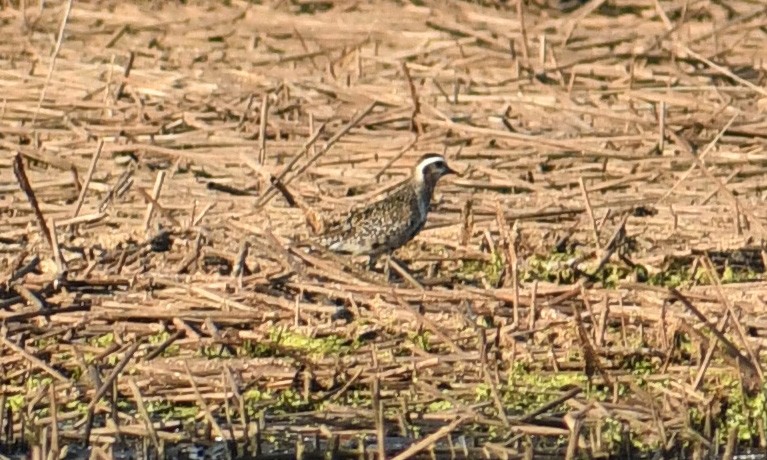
(392, 221)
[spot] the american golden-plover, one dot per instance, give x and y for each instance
(386, 224)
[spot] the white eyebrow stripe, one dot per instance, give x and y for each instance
(429, 161)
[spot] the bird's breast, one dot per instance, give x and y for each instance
(423, 195)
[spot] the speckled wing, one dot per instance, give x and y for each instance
(379, 227)
(337, 235)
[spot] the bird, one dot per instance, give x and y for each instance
(388, 223)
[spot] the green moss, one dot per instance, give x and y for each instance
(679, 272)
(78, 405)
(257, 395)
(474, 270)
(482, 393)
(277, 401)
(16, 402)
(552, 268)
(641, 366)
(103, 340)
(611, 430)
(165, 410)
(356, 398)
(743, 412)
(439, 406)
(250, 349)
(215, 351)
(160, 338)
(420, 339)
(332, 345)
(735, 275)
(285, 401)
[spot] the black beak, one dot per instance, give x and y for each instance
(449, 170)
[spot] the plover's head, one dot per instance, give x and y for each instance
(431, 167)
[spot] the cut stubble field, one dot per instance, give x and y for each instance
(592, 284)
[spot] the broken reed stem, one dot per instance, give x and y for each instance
(706, 361)
(262, 129)
(533, 306)
(76, 179)
(553, 404)
(415, 126)
(30, 297)
(20, 272)
(245, 112)
(572, 443)
(228, 379)
(362, 114)
(688, 150)
(21, 177)
(33, 360)
(379, 419)
(592, 362)
(514, 256)
(430, 440)
(509, 243)
(723, 70)
(489, 380)
(155, 196)
(701, 156)
(88, 177)
(228, 415)
(53, 453)
(467, 219)
(590, 214)
(661, 126)
(523, 30)
(126, 74)
(711, 270)
(158, 207)
(106, 384)
(313, 146)
(164, 345)
(54, 56)
(144, 415)
(732, 350)
(403, 272)
(57, 257)
(105, 97)
(269, 193)
(83, 219)
(396, 157)
(240, 265)
(324, 149)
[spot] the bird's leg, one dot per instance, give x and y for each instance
(372, 262)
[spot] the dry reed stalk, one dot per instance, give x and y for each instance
(202, 404)
(535, 102)
(430, 439)
(53, 452)
(54, 57)
(34, 361)
(145, 415)
(21, 177)
(88, 178)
